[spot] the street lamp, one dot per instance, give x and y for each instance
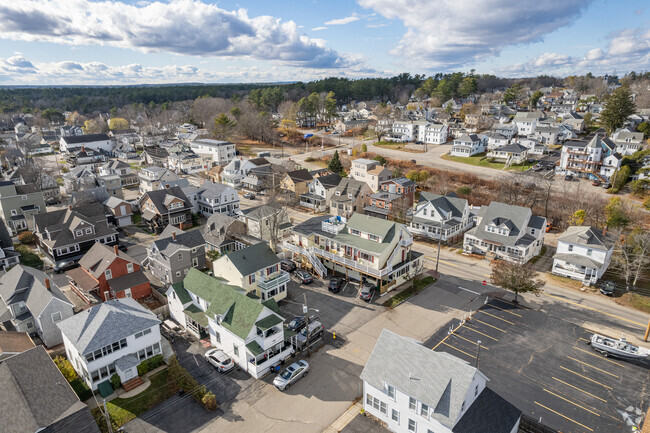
(478, 351)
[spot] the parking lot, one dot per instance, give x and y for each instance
(543, 365)
(552, 158)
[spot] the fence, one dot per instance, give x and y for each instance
(531, 425)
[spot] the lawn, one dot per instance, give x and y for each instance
(480, 160)
(123, 410)
(634, 300)
(28, 257)
(397, 146)
(407, 293)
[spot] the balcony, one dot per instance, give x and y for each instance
(334, 225)
(267, 283)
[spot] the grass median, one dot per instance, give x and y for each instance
(407, 293)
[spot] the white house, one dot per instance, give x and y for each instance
(111, 338)
(234, 173)
(508, 130)
(434, 133)
(627, 142)
(217, 198)
(89, 141)
(546, 134)
(526, 121)
(417, 390)
(436, 216)
(468, 145)
(222, 152)
(494, 140)
(247, 330)
(319, 192)
(587, 159)
(583, 254)
(371, 172)
(506, 232)
(513, 153)
(405, 130)
(152, 177)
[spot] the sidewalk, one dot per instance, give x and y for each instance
(344, 419)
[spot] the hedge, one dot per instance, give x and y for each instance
(149, 364)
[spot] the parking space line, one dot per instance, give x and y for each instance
(593, 309)
(564, 416)
(581, 390)
(598, 356)
(470, 341)
(491, 326)
(461, 351)
(569, 401)
(496, 317)
(479, 332)
(585, 377)
(448, 335)
(503, 309)
(589, 365)
(583, 339)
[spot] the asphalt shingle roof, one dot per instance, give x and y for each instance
(99, 257)
(251, 259)
(516, 218)
(35, 295)
(60, 223)
(587, 236)
(158, 198)
(488, 413)
(168, 246)
(87, 138)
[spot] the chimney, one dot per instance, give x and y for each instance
(605, 231)
(47, 284)
(116, 250)
(181, 225)
(83, 148)
(69, 207)
(174, 236)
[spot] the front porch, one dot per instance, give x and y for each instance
(196, 322)
(312, 201)
(260, 361)
(586, 275)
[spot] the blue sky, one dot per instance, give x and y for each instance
(131, 42)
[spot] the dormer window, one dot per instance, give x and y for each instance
(78, 233)
(89, 231)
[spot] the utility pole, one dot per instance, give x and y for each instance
(438, 256)
(108, 418)
(305, 310)
(478, 351)
(647, 331)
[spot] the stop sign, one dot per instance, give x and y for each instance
(484, 283)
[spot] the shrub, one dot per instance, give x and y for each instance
(464, 190)
(65, 170)
(646, 204)
(143, 368)
(620, 178)
(27, 237)
(381, 159)
(116, 382)
(66, 369)
(364, 147)
(310, 159)
(155, 361)
(209, 401)
(638, 187)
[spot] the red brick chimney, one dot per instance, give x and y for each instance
(181, 225)
(174, 236)
(116, 250)
(47, 284)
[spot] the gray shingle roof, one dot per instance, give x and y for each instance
(106, 323)
(330, 180)
(252, 258)
(87, 138)
(437, 379)
(127, 281)
(448, 203)
(99, 257)
(60, 223)
(35, 295)
(516, 218)
(213, 190)
(159, 197)
(587, 236)
(488, 413)
(511, 148)
(168, 246)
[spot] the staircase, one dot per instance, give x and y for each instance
(320, 269)
(132, 384)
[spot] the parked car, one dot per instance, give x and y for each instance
(64, 266)
(607, 288)
(606, 185)
(122, 247)
(297, 323)
(316, 330)
(596, 183)
(335, 284)
(291, 374)
(367, 291)
(550, 166)
(249, 195)
(538, 167)
(531, 160)
(287, 265)
(303, 276)
(568, 177)
(219, 359)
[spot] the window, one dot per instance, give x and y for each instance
(30, 325)
(589, 251)
(24, 197)
(195, 262)
(178, 273)
(217, 337)
(570, 248)
(462, 407)
(376, 404)
(145, 332)
(129, 268)
(14, 212)
(391, 392)
(56, 316)
(413, 404)
(78, 233)
(235, 350)
(89, 231)
(424, 410)
(412, 425)
(108, 273)
(476, 391)
(395, 416)
(180, 256)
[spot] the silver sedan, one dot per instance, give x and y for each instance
(291, 374)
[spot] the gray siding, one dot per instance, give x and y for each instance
(48, 331)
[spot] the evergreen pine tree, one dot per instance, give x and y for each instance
(334, 164)
(619, 106)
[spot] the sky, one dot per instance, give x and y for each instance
(62, 42)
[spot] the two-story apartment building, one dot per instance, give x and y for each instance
(165, 206)
(128, 177)
(506, 232)
(319, 191)
(526, 121)
(255, 269)
(247, 330)
(348, 197)
(67, 234)
(113, 185)
(111, 338)
(222, 152)
(394, 199)
(174, 253)
(416, 390)
(494, 140)
(152, 177)
(237, 169)
(188, 162)
(296, 182)
(107, 273)
(31, 302)
(217, 198)
(19, 204)
(468, 145)
(90, 141)
(371, 172)
(583, 254)
(361, 248)
(441, 217)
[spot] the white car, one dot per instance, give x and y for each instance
(219, 359)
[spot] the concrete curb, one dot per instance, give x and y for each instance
(344, 419)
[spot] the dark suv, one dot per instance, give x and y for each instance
(335, 284)
(287, 265)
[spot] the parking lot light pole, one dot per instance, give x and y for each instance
(478, 351)
(305, 310)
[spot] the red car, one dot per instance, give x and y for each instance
(596, 183)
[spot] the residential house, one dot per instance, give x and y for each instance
(165, 206)
(19, 204)
(8, 257)
(128, 176)
(394, 199)
(574, 120)
(371, 172)
(152, 177)
(414, 389)
(174, 253)
(434, 133)
(234, 173)
(79, 178)
(549, 135)
(506, 232)
(627, 142)
(107, 273)
(67, 234)
(120, 211)
(494, 140)
(247, 330)
(526, 121)
(222, 152)
(405, 130)
(583, 254)
(468, 145)
(361, 248)
(264, 177)
(217, 198)
(157, 156)
(113, 185)
(31, 302)
(88, 196)
(534, 146)
(348, 197)
(508, 130)
(113, 337)
(12, 343)
(224, 234)
(295, 183)
(91, 158)
(587, 159)
(319, 192)
(29, 174)
(37, 398)
(68, 130)
(509, 154)
(266, 222)
(125, 151)
(441, 217)
(89, 141)
(256, 269)
(186, 162)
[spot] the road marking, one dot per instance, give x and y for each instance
(583, 339)
(491, 326)
(479, 332)
(594, 309)
(589, 365)
(564, 416)
(569, 401)
(598, 356)
(581, 390)
(496, 317)
(503, 309)
(510, 303)
(468, 340)
(448, 335)
(449, 345)
(442, 261)
(585, 377)
(468, 290)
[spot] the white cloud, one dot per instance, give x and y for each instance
(376, 26)
(449, 34)
(315, 29)
(342, 21)
(186, 27)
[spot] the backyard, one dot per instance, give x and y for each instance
(397, 146)
(481, 161)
